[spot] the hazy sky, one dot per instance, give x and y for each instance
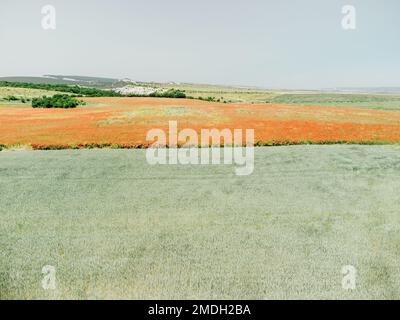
(269, 43)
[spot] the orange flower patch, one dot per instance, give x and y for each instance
(124, 122)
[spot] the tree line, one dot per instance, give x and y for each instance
(89, 92)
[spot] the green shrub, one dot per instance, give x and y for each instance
(172, 93)
(58, 101)
(11, 98)
(209, 99)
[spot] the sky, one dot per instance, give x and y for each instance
(290, 44)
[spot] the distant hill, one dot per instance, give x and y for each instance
(112, 83)
(82, 79)
(34, 80)
(68, 80)
(365, 89)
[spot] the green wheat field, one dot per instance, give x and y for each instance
(115, 227)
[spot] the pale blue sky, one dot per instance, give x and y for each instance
(269, 43)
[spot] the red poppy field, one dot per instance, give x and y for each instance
(124, 122)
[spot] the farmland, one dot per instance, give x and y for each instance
(125, 122)
(283, 232)
(379, 101)
(204, 233)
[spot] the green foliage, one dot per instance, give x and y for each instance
(209, 99)
(172, 93)
(11, 98)
(76, 90)
(14, 98)
(62, 101)
(90, 92)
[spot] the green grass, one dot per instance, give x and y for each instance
(223, 93)
(329, 99)
(227, 94)
(383, 101)
(369, 101)
(22, 93)
(115, 227)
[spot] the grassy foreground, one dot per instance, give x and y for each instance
(115, 227)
